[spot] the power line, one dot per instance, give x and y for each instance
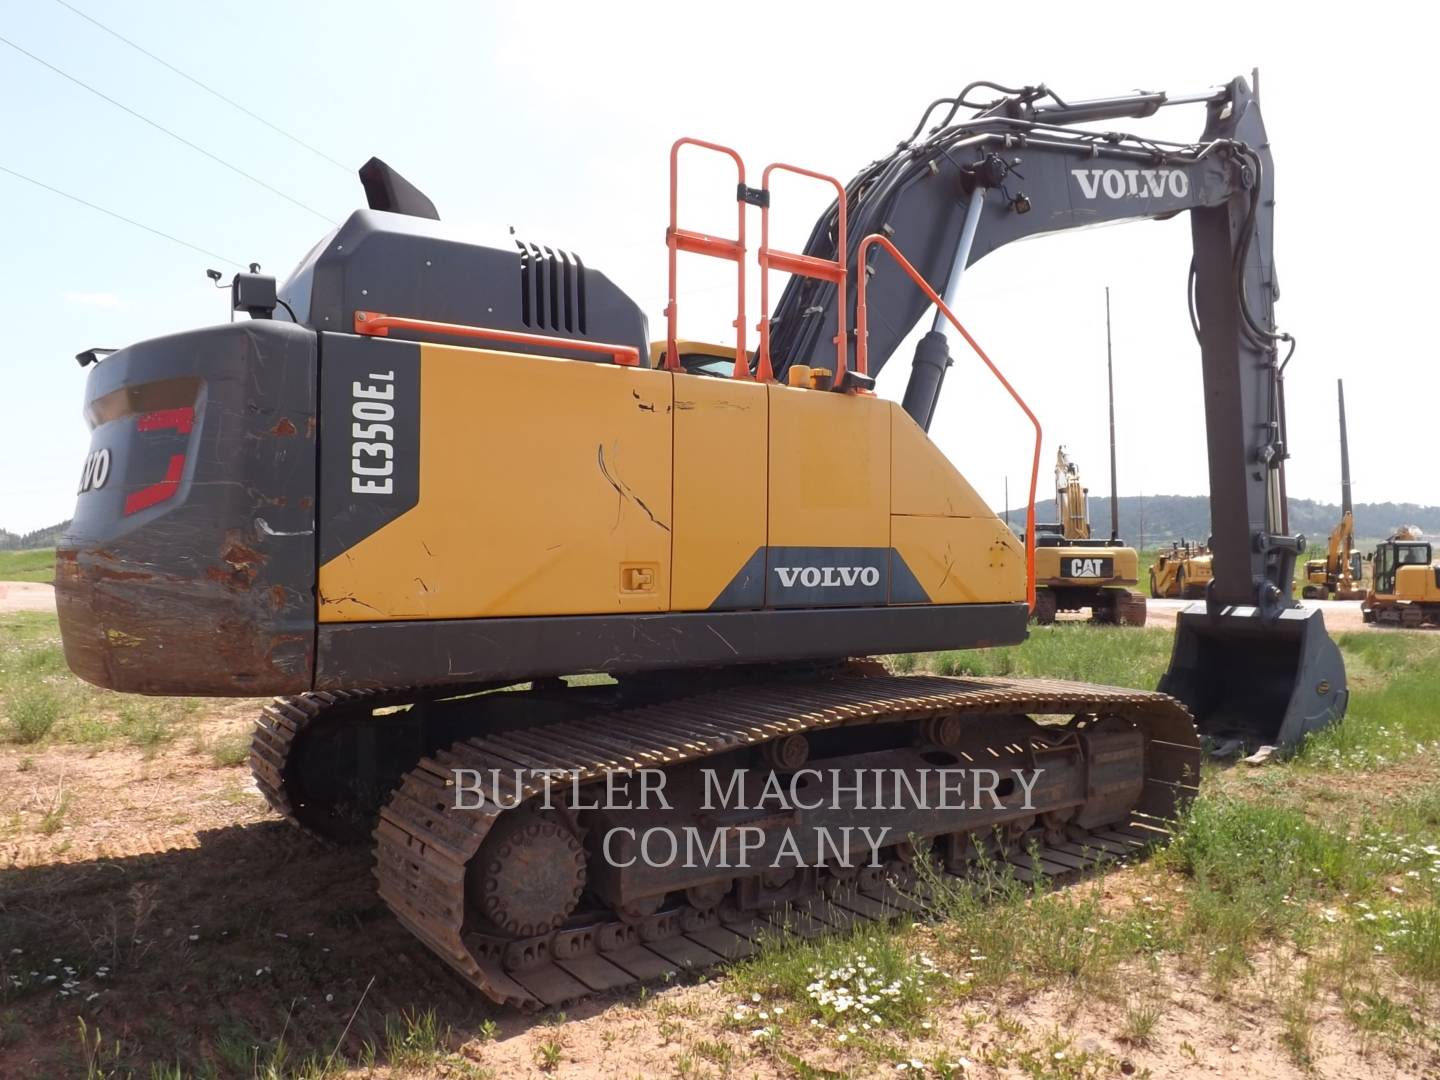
(160, 127)
(122, 217)
(208, 89)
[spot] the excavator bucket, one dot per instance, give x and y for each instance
(1256, 681)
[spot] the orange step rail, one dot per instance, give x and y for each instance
(374, 324)
(832, 270)
(697, 243)
(862, 347)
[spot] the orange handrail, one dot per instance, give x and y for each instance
(861, 349)
(832, 270)
(374, 324)
(678, 239)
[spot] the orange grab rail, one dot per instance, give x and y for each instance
(374, 324)
(832, 270)
(678, 239)
(862, 347)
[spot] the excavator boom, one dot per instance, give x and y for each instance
(1251, 663)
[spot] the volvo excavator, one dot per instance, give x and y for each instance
(1074, 570)
(425, 470)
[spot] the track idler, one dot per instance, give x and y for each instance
(528, 875)
(1252, 680)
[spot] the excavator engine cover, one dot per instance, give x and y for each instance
(1262, 681)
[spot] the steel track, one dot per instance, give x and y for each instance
(423, 843)
(280, 725)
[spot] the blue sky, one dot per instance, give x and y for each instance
(557, 118)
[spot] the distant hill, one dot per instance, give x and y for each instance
(40, 538)
(1151, 520)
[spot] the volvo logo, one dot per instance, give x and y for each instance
(96, 471)
(825, 577)
(1132, 183)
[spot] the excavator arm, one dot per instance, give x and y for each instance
(1071, 502)
(1251, 664)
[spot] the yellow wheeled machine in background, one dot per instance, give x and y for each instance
(1181, 572)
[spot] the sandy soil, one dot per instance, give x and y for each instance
(1340, 615)
(26, 596)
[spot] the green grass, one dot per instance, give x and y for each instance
(1394, 706)
(1129, 657)
(414, 1039)
(230, 749)
(31, 709)
(825, 977)
(41, 701)
(34, 565)
(1326, 894)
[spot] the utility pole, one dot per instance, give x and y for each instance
(1344, 579)
(1110, 372)
(1346, 507)
(1007, 501)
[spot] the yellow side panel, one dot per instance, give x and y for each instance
(962, 560)
(544, 490)
(923, 483)
(1417, 583)
(953, 543)
(829, 469)
(720, 452)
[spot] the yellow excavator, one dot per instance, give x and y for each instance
(1074, 570)
(1182, 571)
(426, 469)
(1341, 572)
(1404, 582)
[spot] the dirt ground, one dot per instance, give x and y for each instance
(180, 913)
(185, 912)
(26, 596)
(1340, 615)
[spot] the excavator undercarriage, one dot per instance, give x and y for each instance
(541, 889)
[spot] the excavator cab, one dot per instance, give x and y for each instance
(1392, 555)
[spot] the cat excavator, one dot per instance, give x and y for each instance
(1074, 570)
(427, 469)
(1405, 582)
